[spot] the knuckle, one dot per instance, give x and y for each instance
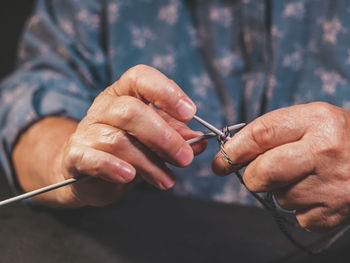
(322, 109)
(250, 182)
(329, 146)
(323, 223)
(119, 139)
(112, 137)
(166, 91)
(332, 148)
(73, 157)
(263, 132)
(129, 109)
(77, 158)
(266, 175)
(327, 222)
(140, 68)
(135, 74)
(330, 115)
(337, 142)
(330, 139)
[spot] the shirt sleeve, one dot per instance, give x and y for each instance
(61, 67)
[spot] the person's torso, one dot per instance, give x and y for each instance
(236, 60)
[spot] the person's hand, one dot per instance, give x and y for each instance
(123, 134)
(302, 154)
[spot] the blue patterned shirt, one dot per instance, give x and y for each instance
(235, 59)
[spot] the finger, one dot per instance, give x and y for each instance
(318, 219)
(152, 86)
(109, 173)
(280, 166)
(268, 131)
(185, 132)
(141, 121)
(85, 160)
(117, 142)
(197, 147)
(302, 194)
(148, 165)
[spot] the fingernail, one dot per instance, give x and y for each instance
(184, 156)
(167, 182)
(199, 133)
(126, 173)
(185, 108)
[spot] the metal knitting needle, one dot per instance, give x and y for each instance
(220, 133)
(209, 126)
(86, 177)
(213, 134)
(44, 189)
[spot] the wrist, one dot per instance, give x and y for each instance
(37, 158)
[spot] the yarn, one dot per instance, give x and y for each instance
(269, 204)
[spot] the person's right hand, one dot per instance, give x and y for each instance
(124, 134)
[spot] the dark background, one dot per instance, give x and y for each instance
(146, 226)
(13, 14)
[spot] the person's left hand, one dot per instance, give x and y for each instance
(302, 154)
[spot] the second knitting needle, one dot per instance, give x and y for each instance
(87, 177)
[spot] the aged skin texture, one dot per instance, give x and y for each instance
(101, 145)
(302, 154)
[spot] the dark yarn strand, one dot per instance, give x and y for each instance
(269, 204)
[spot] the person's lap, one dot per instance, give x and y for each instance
(148, 226)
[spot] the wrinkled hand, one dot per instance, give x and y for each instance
(302, 154)
(124, 134)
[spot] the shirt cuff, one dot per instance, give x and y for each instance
(22, 111)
